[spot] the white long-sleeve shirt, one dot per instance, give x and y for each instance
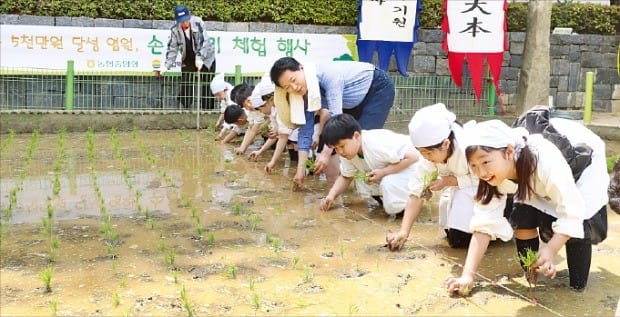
(554, 190)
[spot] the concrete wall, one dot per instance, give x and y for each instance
(571, 55)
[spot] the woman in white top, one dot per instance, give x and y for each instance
(548, 201)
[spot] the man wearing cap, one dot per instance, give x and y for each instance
(188, 36)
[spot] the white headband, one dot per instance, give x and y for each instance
(495, 134)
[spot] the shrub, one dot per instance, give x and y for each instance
(601, 19)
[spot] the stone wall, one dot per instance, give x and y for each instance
(571, 55)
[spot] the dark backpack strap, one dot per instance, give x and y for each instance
(537, 121)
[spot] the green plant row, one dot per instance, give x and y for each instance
(600, 19)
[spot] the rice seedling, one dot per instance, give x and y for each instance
(134, 133)
(255, 220)
(353, 309)
(527, 260)
(428, 178)
(194, 212)
(231, 272)
(255, 301)
(151, 223)
(310, 164)
(361, 176)
(308, 276)
(342, 250)
(237, 209)
(46, 276)
(275, 243)
(252, 283)
(199, 230)
(295, 261)
(186, 303)
(211, 238)
(123, 282)
(116, 299)
(8, 140)
(170, 257)
(54, 307)
(175, 276)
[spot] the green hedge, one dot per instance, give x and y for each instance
(600, 19)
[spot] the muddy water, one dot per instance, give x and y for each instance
(188, 214)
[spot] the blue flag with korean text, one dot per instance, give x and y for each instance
(388, 27)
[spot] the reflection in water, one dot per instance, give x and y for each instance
(239, 242)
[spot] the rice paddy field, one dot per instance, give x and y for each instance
(172, 223)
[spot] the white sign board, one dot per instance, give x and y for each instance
(388, 20)
(138, 50)
(476, 26)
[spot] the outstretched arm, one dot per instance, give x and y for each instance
(478, 245)
(340, 186)
(396, 240)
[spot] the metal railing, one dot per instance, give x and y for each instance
(67, 90)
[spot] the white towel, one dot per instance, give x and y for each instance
(291, 106)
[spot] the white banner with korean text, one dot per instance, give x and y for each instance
(388, 20)
(139, 50)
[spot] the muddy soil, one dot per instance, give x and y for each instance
(166, 222)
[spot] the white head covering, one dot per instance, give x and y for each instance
(256, 98)
(263, 88)
(495, 134)
(266, 85)
(218, 83)
(431, 125)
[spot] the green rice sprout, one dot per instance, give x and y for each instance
(361, 176)
(170, 257)
(237, 210)
(54, 307)
(255, 301)
(116, 299)
(211, 239)
(151, 223)
(353, 309)
(231, 272)
(186, 303)
(46, 277)
(310, 164)
(175, 276)
(528, 259)
(428, 178)
(275, 242)
(295, 261)
(308, 276)
(252, 283)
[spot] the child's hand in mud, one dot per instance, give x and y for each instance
(326, 203)
(461, 285)
(269, 167)
(239, 151)
(298, 181)
(254, 155)
(545, 264)
(395, 240)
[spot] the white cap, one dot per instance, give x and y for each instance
(218, 83)
(431, 125)
(495, 134)
(266, 85)
(257, 98)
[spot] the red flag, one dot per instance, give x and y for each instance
(475, 30)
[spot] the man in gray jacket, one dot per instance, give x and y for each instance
(189, 38)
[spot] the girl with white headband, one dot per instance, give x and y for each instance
(437, 135)
(548, 201)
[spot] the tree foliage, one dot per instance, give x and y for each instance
(583, 18)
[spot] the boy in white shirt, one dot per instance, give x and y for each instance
(380, 161)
